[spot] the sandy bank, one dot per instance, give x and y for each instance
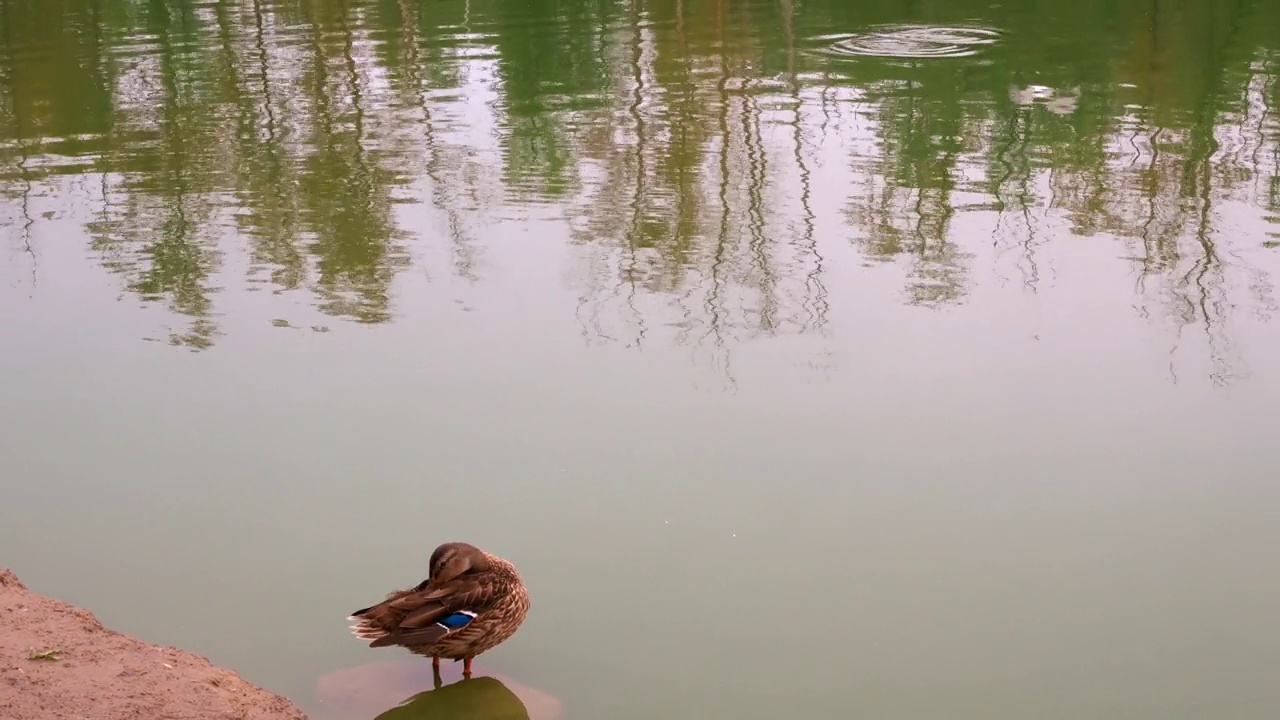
(57, 661)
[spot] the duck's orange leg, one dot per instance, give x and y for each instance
(466, 667)
(435, 663)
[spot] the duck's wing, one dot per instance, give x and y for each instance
(426, 614)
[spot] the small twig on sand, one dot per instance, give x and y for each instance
(52, 654)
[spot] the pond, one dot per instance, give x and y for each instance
(819, 359)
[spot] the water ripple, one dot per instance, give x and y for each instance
(911, 41)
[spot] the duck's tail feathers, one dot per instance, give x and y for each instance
(366, 630)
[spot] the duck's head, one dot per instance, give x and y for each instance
(452, 559)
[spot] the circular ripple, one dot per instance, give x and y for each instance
(912, 41)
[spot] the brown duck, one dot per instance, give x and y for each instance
(470, 602)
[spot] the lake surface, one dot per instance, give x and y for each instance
(825, 359)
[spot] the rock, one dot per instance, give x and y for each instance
(403, 690)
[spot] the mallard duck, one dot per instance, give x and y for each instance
(470, 602)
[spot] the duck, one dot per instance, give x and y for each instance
(471, 602)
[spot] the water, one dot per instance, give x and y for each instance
(825, 359)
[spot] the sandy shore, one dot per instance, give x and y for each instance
(57, 661)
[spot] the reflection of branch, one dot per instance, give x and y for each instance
(756, 172)
(686, 208)
(280, 243)
(348, 198)
(464, 253)
(1260, 283)
(360, 169)
(263, 75)
(1148, 245)
(28, 221)
(1207, 263)
(1271, 71)
(178, 264)
(906, 213)
(635, 229)
(715, 303)
(589, 314)
(1019, 139)
(1001, 158)
(815, 301)
(24, 155)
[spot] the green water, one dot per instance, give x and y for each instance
(829, 359)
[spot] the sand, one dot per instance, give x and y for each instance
(58, 662)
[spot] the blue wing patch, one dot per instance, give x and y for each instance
(457, 620)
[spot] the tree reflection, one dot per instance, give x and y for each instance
(692, 146)
(157, 225)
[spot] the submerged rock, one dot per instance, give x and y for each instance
(404, 690)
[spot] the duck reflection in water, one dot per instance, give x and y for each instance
(483, 698)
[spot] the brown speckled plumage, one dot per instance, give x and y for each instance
(462, 578)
